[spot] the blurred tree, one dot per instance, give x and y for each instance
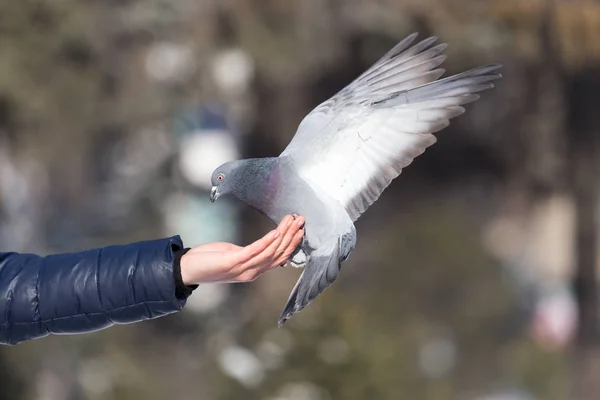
(584, 140)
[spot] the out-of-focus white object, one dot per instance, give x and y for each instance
(555, 319)
(207, 297)
(507, 394)
(437, 357)
(270, 353)
(49, 386)
(232, 70)
(23, 187)
(204, 151)
(242, 365)
(301, 391)
(198, 221)
(540, 239)
(334, 350)
(97, 377)
(281, 337)
(169, 62)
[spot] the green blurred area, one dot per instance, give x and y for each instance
(423, 309)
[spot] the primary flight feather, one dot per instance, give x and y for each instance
(348, 150)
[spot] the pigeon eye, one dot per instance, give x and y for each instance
(220, 177)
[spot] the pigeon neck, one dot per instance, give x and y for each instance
(259, 184)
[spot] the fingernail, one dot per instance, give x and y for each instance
(300, 222)
(276, 234)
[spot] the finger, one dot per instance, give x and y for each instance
(256, 248)
(285, 223)
(290, 231)
(296, 241)
(300, 221)
(291, 247)
(265, 257)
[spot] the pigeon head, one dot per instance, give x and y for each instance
(224, 179)
(246, 179)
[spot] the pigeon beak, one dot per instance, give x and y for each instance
(214, 194)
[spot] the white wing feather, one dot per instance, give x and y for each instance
(353, 145)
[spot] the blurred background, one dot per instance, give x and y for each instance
(474, 276)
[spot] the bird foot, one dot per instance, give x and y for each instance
(298, 259)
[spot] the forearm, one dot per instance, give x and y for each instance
(87, 291)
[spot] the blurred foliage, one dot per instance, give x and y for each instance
(575, 28)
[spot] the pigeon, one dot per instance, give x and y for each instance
(347, 150)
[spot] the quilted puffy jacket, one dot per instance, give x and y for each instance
(91, 290)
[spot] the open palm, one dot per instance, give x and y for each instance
(227, 262)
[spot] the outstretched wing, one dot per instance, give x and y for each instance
(353, 145)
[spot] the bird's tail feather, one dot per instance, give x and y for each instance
(319, 273)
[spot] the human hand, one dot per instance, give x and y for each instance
(226, 262)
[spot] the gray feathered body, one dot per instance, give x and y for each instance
(274, 187)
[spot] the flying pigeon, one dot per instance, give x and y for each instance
(347, 150)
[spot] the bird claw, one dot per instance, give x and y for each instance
(294, 215)
(298, 259)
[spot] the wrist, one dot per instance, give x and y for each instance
(186, 276)
(183, 286)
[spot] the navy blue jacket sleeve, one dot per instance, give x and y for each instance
(86, 291)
